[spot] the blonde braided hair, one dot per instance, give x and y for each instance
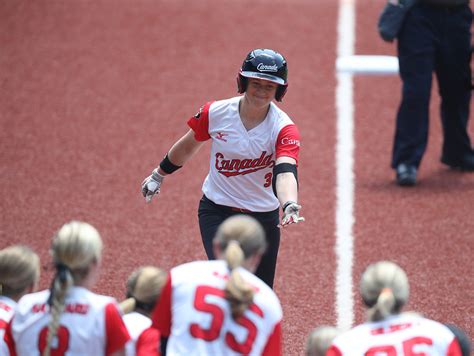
(61, 284)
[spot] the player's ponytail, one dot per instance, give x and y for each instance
(240, 238)
(384, 288)
(62, 281)
(238, 293)
(383, 306)
(143, 290)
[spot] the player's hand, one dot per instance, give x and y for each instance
(151, 185)
(291, 214)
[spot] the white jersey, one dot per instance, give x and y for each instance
(241, 162)
(7, 308)
(404, 334)
(192, 311)
(144, 339)
(90, 325)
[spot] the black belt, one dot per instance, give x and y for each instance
(231, 209)
(239, 210)
(227, 208)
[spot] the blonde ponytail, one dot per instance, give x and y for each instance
(144, 287)
(128, 305)
(383, 307)
(240, 237)
(384, 289)
(237, 292)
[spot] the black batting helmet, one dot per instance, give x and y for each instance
(265, 64)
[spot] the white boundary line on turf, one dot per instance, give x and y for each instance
(345, 174)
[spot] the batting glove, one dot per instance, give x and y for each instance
(291, 214)
(151, 185)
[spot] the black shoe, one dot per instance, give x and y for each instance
(466, 163)
(406, 175)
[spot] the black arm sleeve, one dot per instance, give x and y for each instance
(283, 168)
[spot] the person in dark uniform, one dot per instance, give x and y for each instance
(435, 37)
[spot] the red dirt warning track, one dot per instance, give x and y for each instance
(94, 93)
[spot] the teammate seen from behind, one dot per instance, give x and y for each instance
(254, 156)
(319, 340)
(19, 275)
(220, 307)
(69, 319)
(384, 289)
(143, 289)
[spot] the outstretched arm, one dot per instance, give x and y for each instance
(286, 187)
(179, 154)
(183, 150)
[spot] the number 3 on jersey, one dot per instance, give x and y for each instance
(217, 321)
(268, 180)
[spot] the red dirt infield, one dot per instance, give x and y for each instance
(93, 93)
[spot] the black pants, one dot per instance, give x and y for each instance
(434, 39)
(211, 215)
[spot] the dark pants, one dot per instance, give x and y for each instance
(211, 215)
(434, 39)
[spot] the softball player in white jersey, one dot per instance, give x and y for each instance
(220, 307)
(404, 334)
(69, 319)
(384, 288)
(19, 275)
(254, 156)
(89, 325)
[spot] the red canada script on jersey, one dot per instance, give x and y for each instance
(234, 167)
(5, 307)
